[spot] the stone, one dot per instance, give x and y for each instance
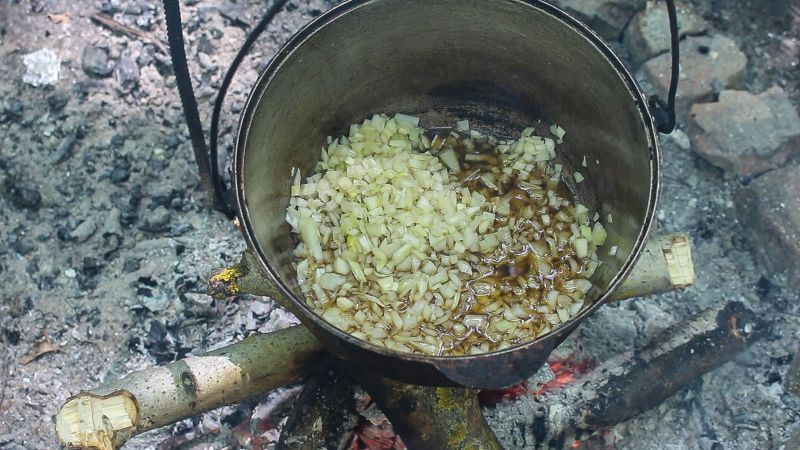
(156, 220)
(24, 196)
(64, 149)
(63, 234)
(58, 101)
(41, 68)
(205, 62)
(131, 265)
(234, 13)
(607, 17)
(678, 138)
(91, 266)
(95, 61)
(84, 230)
(703, 60)
(648, 33)
(769, 210)
(12, 110)
(23, 246)
(204, 45)
(121, 170)
(746, 134)
(112, 224)
(126, 74)
(145, 57)
(154, 302)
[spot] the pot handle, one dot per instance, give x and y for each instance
(207, 157)
(664, 112)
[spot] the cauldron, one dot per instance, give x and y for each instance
(503, 65)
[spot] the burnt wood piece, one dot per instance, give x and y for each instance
(324, 415)
(638, 380)
(430, 417)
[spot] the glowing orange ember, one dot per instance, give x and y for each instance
(565, 370)
(370, 436)
(491, 397)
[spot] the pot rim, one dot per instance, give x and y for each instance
(318, 23)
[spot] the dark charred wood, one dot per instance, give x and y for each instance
(324, 414)
(673, 362)
(431, 417)
(636, 381)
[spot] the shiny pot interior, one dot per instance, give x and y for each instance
(502, 64)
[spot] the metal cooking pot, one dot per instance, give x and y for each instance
(502, 64)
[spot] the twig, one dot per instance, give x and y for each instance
(113, 25)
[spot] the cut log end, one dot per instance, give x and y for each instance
(664, 265)
(101, 422)
(678, 254)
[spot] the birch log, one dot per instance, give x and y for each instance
(105, 417)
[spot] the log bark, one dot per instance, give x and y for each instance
(105, 417)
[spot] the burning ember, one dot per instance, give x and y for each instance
(565, 371)
(374, 432)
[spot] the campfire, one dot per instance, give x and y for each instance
(575, 398)
(356, 397)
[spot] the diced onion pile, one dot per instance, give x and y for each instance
(441, 245)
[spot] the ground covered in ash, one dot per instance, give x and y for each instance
(106, 241)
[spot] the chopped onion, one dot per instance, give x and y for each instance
(310, 234)
(558, 132)
(331, 281)
(402, 249)
(599, 234)
(450, 160)
(581, 247)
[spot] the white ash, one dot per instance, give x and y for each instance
(151, 117)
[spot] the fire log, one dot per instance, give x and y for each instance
(431, 417)
(664, 265)
(324, 414)
(105, 417)
(636, 381)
